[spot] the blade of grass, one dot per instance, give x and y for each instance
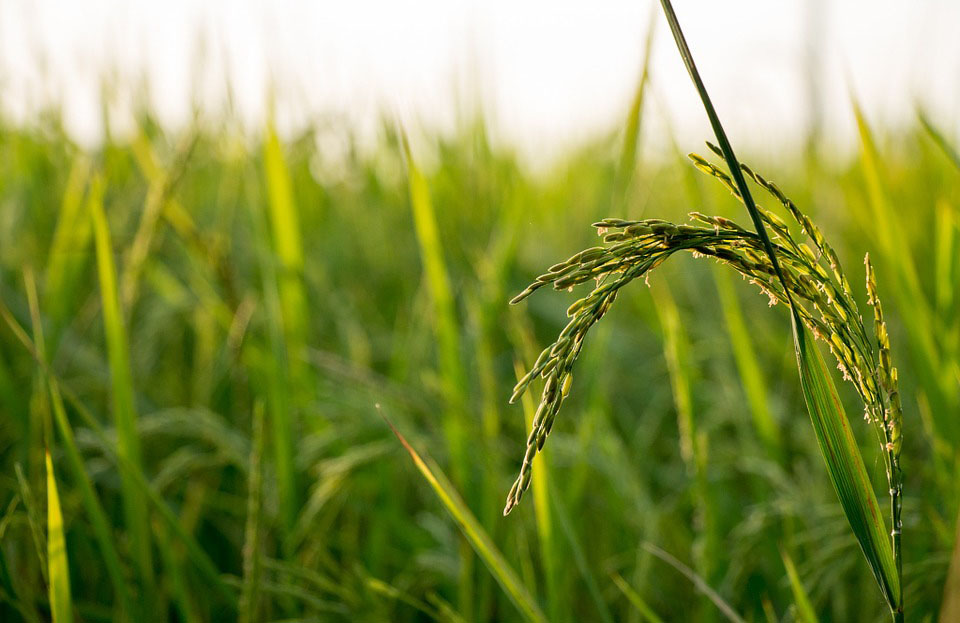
(98, 518)
(285, 224)
(61, 604)
(124, 409)
(68, 250)
(275, 367)
(444, 309)
(698, 582)
(941, 141)
(288, 320)
(635, 599)
(845, 466)
(474, 532)
(805, 611)
(389, 591)
(452, 375)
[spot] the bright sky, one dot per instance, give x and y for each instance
(548, 74)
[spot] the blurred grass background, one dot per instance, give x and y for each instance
(200, 327)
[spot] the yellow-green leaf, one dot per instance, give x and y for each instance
(844, 463)
(59, 572)
(475, 534)
(805, 611)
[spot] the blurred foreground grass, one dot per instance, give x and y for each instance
(200, 327)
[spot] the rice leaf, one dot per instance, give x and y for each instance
(69, 248)
(635, 599)
(444, 310)
(699, 583)
(61, 607)
(474, 533)
(274, 364)
(805, 611)
(124, 409)
(285, 224)
(845, 465)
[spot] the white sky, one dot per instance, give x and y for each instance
(548, 74)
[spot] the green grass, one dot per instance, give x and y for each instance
(221, 313)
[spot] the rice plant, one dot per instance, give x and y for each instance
(809, 281)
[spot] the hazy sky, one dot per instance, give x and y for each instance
(547, 73)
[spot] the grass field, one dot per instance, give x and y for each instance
(206, 338)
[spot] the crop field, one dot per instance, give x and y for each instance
(243, 380)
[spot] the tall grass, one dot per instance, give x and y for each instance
(267, 488)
